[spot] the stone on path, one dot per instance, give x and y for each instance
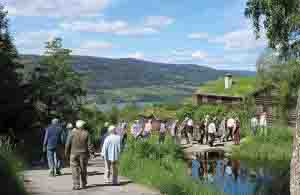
(38, 182)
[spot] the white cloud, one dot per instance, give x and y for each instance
(96, 45)
(93, 48)
(241, 39)
(199, 55)
(34, 42)
(198, 35)
(136, 55)
(100, 27)
(117, 27)
(68, 8)
(158, 21)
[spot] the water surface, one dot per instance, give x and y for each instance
(238, 177)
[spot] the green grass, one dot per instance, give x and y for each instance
(241, 86)
(161, 167)
(10, 168)
(275, 147)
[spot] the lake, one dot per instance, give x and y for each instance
(108, 107)
(239, 177)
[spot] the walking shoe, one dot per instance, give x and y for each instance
(58, 172)
(75, 188)
(83, 186)
(52, 173)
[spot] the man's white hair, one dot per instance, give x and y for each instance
(69, 126)
(80, 124)
(111, 129)
(54, 121)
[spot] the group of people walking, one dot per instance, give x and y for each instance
(203, 131)
(73, 145)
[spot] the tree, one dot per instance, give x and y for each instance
(13, 99)
(281, 21)
(58, 88)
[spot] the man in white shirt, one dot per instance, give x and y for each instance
(254, 125)
(111, 153)
(190, 129)
(211, 132)
(263, 124)
(231, 127)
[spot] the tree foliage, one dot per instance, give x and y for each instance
(14, 97)
(281, 21)
(57, 86)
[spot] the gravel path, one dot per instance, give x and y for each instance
(38, 182)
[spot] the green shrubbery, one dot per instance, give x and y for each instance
(276, 146)
(160, 166)
(10, 169)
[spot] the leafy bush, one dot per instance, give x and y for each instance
(10, 169)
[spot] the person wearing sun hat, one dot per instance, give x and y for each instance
(77, 148)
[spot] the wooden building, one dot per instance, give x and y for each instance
(213, 99)
(267, 100)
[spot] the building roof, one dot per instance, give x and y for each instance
(241, 87)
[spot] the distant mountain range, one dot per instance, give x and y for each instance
(106, 74)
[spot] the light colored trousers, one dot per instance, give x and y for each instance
(111, 169)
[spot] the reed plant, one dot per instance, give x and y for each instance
(160, 166)
(276, 146)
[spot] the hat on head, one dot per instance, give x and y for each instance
(80, 124)
(111, 129)
(69, 126)
(54, 121)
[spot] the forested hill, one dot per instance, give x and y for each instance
(107, 74)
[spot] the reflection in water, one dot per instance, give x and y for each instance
(234, 177)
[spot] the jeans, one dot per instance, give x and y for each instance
(54, 161)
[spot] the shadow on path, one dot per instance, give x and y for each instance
(122, 183)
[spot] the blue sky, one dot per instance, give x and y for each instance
(214, 33)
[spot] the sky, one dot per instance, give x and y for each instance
(213, 33)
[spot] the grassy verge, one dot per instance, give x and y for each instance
(161, 167)
(277, 146)
(10, 169)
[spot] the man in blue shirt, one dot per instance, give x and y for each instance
(111, 153)
(51, 142)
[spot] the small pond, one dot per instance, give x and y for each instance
(238, 177)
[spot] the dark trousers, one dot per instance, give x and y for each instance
(79, 164)
(162, 137)
(212, 139)
(230, 131)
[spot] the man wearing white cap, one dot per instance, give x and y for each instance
(111, 153)
(77, 146)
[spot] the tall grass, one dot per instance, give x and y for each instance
(10, 169)
(277, 146)
(160, 166)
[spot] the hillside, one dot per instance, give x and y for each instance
(126, 79)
